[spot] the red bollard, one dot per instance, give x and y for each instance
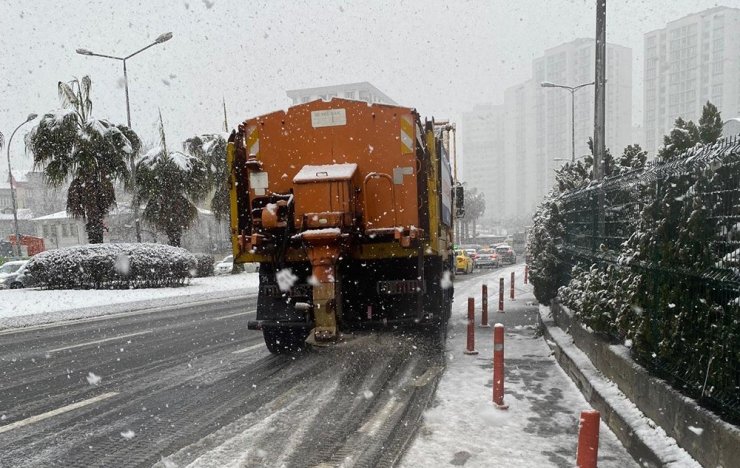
(588, 439)
(498, 367)
(470, 348)
(526, 274)
(511, 294)
(501, 294)
(484, 307)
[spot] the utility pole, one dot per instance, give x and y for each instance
(600, 92)
(599, 117)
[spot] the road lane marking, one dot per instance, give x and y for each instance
(376, 422)
(100, 341)
(235, 315)
(249, 348)
(49, 414)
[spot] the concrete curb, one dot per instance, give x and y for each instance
(643, 439)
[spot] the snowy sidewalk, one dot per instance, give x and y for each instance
(646, 439)
(541, 425)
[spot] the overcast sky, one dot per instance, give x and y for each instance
(442, 57)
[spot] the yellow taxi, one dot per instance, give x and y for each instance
(463, 262)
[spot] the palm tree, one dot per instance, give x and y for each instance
(211, 149)
(168, 182)
(71, 144)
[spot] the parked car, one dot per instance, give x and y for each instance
(12, 275)
(487, 258)
(506, 254)
(473, 254)
(225, 266)
(463, 262)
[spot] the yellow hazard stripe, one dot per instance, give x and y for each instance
(253, 141)
(407, 134)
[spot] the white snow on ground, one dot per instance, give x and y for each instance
(541, 425)
(25, 307)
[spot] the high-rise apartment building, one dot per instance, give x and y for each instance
(362, 91)
(482, 134)
(516, 167)
(692, 60)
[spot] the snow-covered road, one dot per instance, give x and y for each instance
(349, 405)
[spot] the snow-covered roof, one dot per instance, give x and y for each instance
(23, 213)
(57, 215)
(325, 172)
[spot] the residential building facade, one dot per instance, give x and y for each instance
(692, 60)
(513, 149)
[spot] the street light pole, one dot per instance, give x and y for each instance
(160, 39)
(17, 246)
(572, 89)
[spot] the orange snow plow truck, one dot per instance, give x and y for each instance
(348, 208)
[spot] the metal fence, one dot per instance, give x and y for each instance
(687, 212)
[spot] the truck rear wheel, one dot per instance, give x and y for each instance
(284, 340)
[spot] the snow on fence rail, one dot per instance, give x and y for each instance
(655, 257)
(112, 266)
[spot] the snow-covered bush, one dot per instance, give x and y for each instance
(603, 298)
(112, 266)
(547, 271)
(670, 288)
(204, 265)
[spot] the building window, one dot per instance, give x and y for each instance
(73, 230)
(349, 94)
(65, 230)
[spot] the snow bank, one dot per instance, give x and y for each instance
(30, 307)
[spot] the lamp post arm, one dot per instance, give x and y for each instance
(141, 50)
(576, 88)
(93, 54)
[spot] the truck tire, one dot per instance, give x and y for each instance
(284, 340)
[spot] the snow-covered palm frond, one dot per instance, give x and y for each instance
(86, 102)
(168, 182)
(211, 149)
(71, 145)
(67, 95)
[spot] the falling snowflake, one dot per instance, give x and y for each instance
(286, 279)
(93, 379)
(123, 264)
(128, 434)
(446, 281)
(368, 394)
